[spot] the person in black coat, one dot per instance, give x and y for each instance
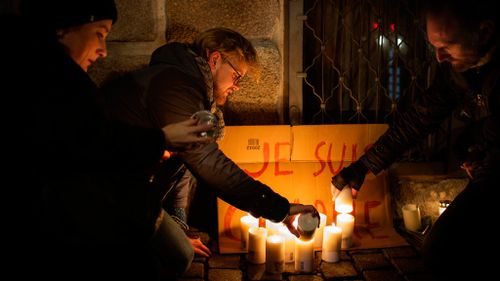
(181, 80)
(70, 215)
(465, 37)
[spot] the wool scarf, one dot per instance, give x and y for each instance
(209, 84)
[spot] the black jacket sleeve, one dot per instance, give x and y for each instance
(411, 127)
(174, 96)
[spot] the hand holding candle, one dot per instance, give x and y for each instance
(307, 225)
(343, 202)
(296, 209)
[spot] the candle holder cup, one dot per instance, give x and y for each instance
(307, 224)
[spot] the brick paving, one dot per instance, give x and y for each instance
(384, 264)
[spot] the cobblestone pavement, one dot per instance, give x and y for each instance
(384, 264)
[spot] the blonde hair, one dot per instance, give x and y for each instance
(229, 42)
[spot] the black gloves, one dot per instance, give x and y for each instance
(471, 144)
(352, 175)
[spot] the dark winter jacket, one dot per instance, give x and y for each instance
(474, 96)
(65, 161)
(170, 90)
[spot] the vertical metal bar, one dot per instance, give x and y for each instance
(295, 66)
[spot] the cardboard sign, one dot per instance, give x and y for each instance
(298, 162)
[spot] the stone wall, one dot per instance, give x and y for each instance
(144, 25)
(423, 184)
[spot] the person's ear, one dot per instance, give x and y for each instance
(486, 32)
(213, 58)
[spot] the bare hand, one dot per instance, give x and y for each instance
(296, 209)
(200, 248)
(186, 133)
(335, 192)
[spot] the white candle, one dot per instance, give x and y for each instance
(245, 223)
(343, 202)
(257, 245)
(318, 235)
(346, 222)
(332, 241)
(411, 217)
(272, 227)
(304, 255)
(289, 240)
(275, 254)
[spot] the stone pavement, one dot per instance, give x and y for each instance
(384, 264)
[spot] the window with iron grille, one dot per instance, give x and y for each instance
(362, 62)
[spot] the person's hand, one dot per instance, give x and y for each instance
(186, 133)
(200, 248)
(335, 192)
(296, 209)
(352, 175)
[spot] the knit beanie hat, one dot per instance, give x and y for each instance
(57, 14)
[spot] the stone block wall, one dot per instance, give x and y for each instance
(422, 184)
(144, 25)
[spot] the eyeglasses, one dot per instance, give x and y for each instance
(238, 74)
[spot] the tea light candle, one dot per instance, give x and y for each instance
(289, 241)
(343, 202)
(245, 223)
(318, 235)
(304, 255)
(443, 204)
(257, 245)
(332, 241)
(275, 254)
(346, 222)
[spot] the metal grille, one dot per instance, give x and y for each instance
(364, 61)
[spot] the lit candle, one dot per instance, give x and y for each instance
(289, 240)
(275, 254)
(443, 204)
(245, 223)
(257, 245)
(272, 227)
(343, 202)
(332, 241)
(304, 255)
(346, 222)
(411, 217)
(318, 235)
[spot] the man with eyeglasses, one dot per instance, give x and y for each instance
(181, 80)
